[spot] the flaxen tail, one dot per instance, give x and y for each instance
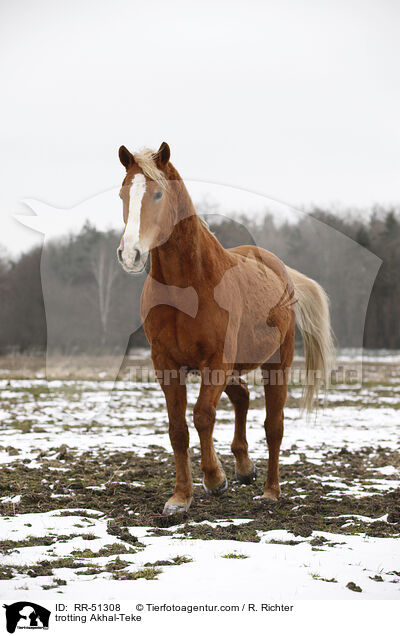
(313, 318)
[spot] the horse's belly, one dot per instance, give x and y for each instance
(257, 343)
(259, 315)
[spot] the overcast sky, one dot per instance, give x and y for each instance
(298, 101)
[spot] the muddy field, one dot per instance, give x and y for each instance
(86, 467)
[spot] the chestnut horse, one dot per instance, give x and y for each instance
(219, 312)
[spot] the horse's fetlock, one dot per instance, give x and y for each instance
(239, 447)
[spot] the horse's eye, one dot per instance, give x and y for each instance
(157, 195)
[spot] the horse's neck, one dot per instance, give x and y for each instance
(191, 252)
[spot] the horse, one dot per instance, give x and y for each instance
(219, 312)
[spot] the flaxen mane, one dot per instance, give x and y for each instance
(145, 160)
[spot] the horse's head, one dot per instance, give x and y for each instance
(148, 205)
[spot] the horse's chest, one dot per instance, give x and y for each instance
(187, 340)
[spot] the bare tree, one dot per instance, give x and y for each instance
(104, 269)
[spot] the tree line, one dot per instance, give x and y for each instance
(89, 301)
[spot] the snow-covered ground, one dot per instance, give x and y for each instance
(38, 418)
(219, 569)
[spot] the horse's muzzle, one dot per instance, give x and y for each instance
(134, 262)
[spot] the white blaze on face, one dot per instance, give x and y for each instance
(131, 234)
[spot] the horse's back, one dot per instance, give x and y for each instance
(267, 258)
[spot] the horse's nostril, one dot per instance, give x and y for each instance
(137, 257)
(119, 254)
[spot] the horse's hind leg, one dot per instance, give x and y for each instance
(275, 397)
(238, 394)
(275, 388)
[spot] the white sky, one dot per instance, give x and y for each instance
(298, 101)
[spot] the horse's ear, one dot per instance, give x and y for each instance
(126, 158)
(162, 155)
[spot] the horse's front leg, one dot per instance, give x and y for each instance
(214, 480)
(175, 395)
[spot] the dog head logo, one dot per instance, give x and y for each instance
(26, 615)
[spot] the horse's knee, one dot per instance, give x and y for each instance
(203, 417)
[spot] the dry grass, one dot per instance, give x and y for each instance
(69, 367)
(111, 367)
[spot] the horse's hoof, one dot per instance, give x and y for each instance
(247, 479)
(271, 494)
(170, 509)
(216, 492)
